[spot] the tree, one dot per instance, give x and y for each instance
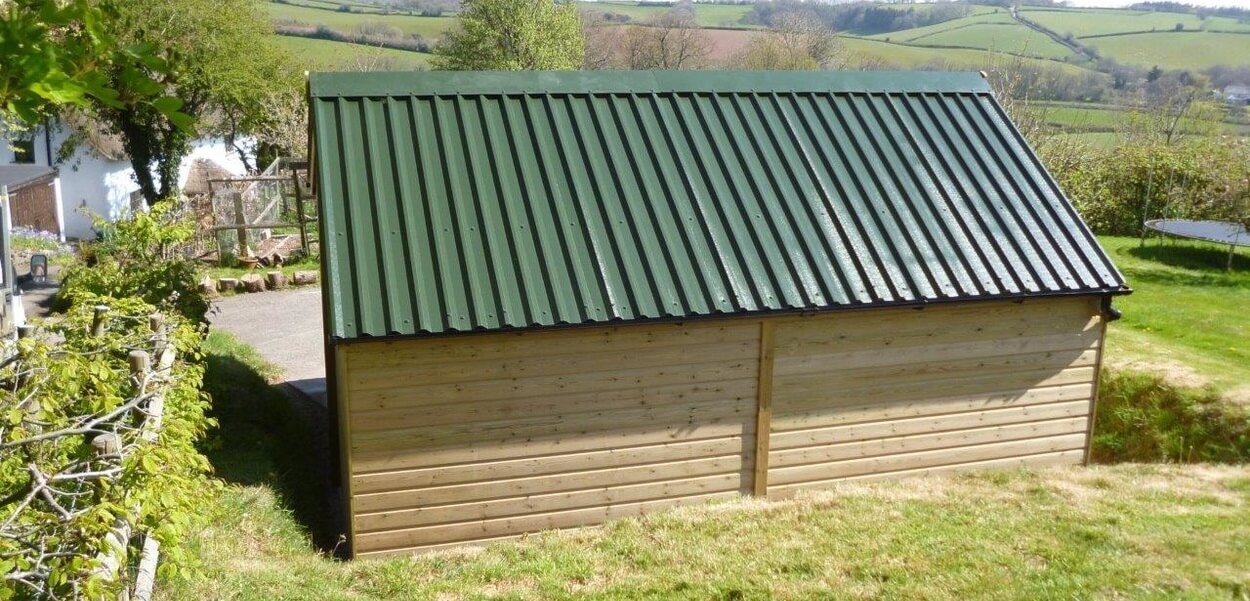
(513, 35)
(223, 67)
(56, 53)
(794, 42)
(672, 40)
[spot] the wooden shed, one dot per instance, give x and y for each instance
(554, 299)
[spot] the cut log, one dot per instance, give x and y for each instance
(207, 285)
(253, 282)
(305, 277)
(227, 284)
(275, 279)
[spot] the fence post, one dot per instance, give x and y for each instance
(240, 220)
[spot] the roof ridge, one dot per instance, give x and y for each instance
(479, 83)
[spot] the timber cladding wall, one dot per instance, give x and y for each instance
(481, 437)
(471, 438)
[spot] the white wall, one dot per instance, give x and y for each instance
(103, 187)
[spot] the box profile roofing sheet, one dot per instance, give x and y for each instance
(477, 201)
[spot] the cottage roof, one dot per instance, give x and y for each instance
(465, 201)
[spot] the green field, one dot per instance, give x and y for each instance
(889, 55)
(706, 15)
(328, 55)
(426, 27)
(916, 33)
(1177, 50)
(1087, 22)
(1011, 38)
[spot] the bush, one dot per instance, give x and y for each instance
(1140, 417)
(145, 256)
(62, 391)
(1203, 178)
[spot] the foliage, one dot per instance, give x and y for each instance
(672, 40)
(144, 256)
(793, 42)
(512, 35)
(1201, 178)
(223, 62)
(60, 497)
(59, 53)
(1143, 418)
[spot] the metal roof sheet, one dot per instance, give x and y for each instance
(16, 176)
(484, 201)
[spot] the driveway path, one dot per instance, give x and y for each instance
(285, 328)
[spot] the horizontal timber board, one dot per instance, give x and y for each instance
(450, 533)
(905, 461)
(621, 378)
(800, 417)
(493, 490)
(548, 464)
(878, 447)
(904, 364)
(1070, 343)
(1069, 457)
(551, 405)
(807, 393)
(555, 362)
(908, 327)
(548, 502)
(454, 349)
(679, 417)
(624, 435)
(929, 424)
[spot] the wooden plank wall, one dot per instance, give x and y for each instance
(896, 392)
(483, 437)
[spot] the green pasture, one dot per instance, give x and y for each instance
(916, 33)
(1011, 38)
(426, 27)
(329, 55)
(1176, 50)
(905, 56)
(1087, 22)
(706, 15)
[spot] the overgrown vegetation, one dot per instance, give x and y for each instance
(143, 256)
(98, 443)
(1143, 418)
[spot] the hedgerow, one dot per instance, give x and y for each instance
(97, 452)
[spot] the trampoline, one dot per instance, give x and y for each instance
(1219, 232)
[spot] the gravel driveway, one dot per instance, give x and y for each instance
(284, 327)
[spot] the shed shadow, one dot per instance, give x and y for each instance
(269, 435)
(1209, 259)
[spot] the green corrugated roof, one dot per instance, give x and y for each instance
(484, 201)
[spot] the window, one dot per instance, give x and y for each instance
(23, 150)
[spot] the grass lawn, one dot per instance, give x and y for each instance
(1176, 50)
(1187, 317)
(1128, 531)
(329, 55)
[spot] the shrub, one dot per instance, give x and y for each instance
(1140, 417)
(60, 498)
(145, 256)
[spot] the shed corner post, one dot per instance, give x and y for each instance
(1102, 310)
(763, 409)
